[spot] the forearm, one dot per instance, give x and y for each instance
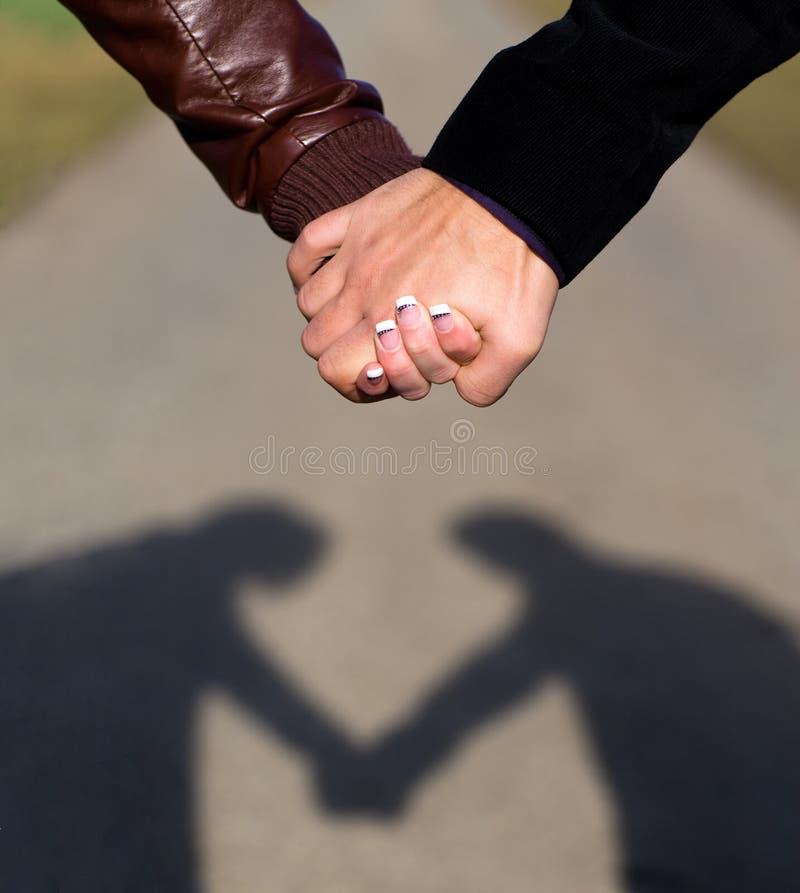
(572, 129)
(252, 87)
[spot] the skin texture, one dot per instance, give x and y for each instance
(419, 235)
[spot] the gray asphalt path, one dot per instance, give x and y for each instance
(575, 670)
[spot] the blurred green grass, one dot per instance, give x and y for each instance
(61, 94)
(761, 125)
(45, 13)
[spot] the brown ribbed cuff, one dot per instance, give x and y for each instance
(337, 170)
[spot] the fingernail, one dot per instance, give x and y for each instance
(408, 311)
(442, 317)
(388, 335)
(375, 374)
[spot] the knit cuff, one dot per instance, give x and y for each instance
(342, 167)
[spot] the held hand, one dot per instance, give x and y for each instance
(418, 346)
(419, 235)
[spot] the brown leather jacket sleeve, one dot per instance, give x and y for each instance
(252, 86)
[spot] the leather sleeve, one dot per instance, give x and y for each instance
(571, 130)
(252, 85)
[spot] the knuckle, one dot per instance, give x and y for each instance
(417, 393)
(307, 245)
(328, 369)
(308, 240)
(293, 261)
(309, 342)
(299, 254)
(442, 375)
(305, 303)
(466, 346)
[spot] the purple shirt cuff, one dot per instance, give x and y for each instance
(515, 225)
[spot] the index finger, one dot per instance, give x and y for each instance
(316, 244)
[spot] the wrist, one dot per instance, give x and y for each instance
(536, 244)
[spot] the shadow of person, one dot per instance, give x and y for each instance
(102, 658)
(691, 698)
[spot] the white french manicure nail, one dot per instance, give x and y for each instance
(388, 335)
(375, 374)
(405, 302)
(439, 310)
(388, 325)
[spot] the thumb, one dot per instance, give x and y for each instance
(510, 345)
(317, 242)
(485, 380)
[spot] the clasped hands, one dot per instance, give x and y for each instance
(475, 300)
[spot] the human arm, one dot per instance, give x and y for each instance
(259, 93)
(278, 703)
(569, 132)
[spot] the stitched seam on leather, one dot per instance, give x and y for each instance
(208, 62)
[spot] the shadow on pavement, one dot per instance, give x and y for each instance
(691, 699)
(102, 659)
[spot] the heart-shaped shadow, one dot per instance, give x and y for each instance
(691, 696)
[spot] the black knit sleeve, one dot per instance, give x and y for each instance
(572, 129)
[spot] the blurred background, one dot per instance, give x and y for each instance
(253, 637)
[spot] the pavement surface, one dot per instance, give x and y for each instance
(253, 638)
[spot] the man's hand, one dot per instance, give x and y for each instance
(419, 235)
